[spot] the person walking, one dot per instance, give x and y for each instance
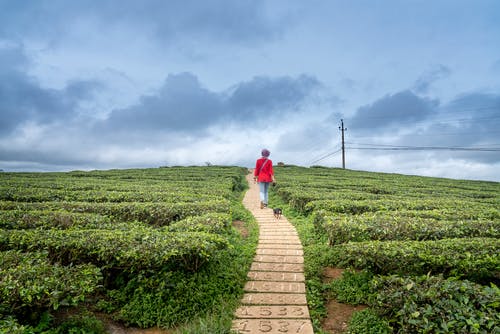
(264, 175)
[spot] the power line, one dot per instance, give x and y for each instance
(319, 156)
(385, 147)
(326, 156)
(422, 148)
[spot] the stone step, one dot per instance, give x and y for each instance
(278, 233)
(283, 241)
(261, 298)
(272, 312)
(279, 259)
(287, 267)
(278, 251)
(273, 326)
(274, 300)
(276, 276)
(270, 286)
(279, 246)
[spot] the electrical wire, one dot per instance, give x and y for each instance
(326, 156)
(422, 148)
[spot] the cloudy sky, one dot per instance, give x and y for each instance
(89, 84)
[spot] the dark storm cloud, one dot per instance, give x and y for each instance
(231, 21)
(469, 121)
(22, 99)
(263, 95)
(400, 109)
(423, 83)
(183, 104)
(477, 116)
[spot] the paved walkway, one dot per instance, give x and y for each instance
(275, 297)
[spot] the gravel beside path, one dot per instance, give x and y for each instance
(275, 298)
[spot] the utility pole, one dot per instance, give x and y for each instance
(343, 144)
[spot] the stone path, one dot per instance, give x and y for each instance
(275, 297)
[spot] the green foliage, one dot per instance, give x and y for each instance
(22, 219)
(392, 224)
(217, 223)
(475, 258)
(80, 324)
(315, 299)
(132, 250)
(153, 213)
(11, 325)
(352, 288)
(30, 284)
(161, 237)
(368, 322)
(397, 226)
(76, 324)
(183, 295)
(432, 304)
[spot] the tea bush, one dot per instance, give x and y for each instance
(432, 304)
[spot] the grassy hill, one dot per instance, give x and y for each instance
(170, 247)
(144, 248)
(422, 253)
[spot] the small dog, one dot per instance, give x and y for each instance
(277, 213)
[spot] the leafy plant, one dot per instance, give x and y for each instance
(473, 258)
(432, 304)
(368, 322)
(30, 284)
(352, 288)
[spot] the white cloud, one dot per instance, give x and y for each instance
(184, 82)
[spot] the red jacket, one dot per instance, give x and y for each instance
(266, 173)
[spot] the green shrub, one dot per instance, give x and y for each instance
(475, 258)
(80, 324)
(352, 288)
(22, 219)
(217, 223)
(394, 226)
(186, 295)
(131, 250)
(368, 322)
(432, 304)
(153, 213)
(162, 238)
(30, 284)
(10, 325)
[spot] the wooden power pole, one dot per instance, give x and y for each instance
(341, 128)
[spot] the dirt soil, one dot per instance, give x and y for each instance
(338, 314)
(329, 274)
(113, 329)
(240, 226)
(117, 328)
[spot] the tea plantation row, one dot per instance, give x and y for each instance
(147, 247)
(422, 253)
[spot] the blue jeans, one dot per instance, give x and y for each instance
(264, 191)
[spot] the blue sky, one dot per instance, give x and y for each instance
(117, 84)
